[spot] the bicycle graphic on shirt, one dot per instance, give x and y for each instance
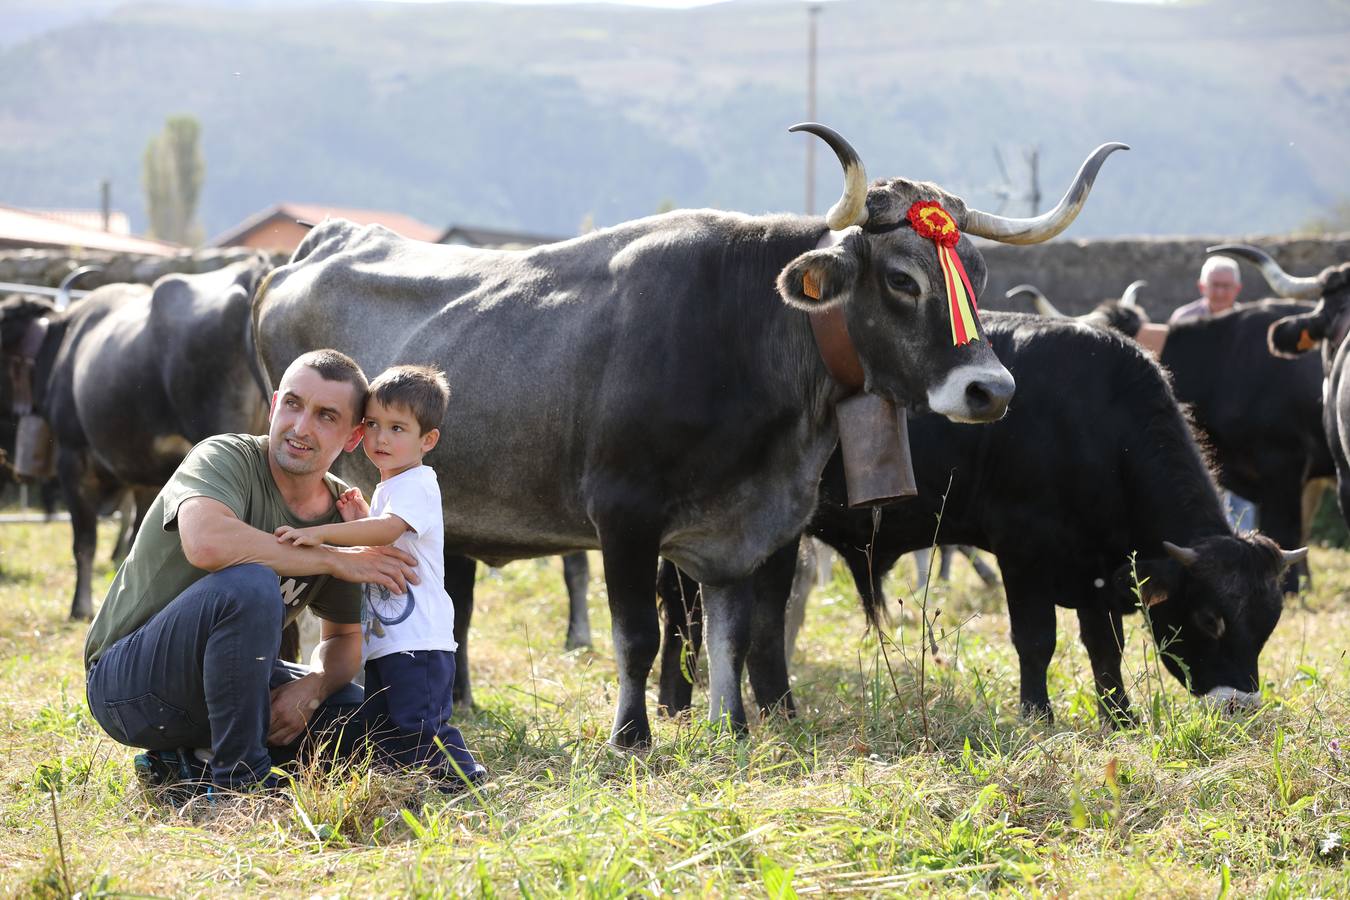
(382, 608)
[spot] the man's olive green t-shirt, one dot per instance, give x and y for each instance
(231, 468)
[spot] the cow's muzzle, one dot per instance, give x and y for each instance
(1230, 699)
(978, 393)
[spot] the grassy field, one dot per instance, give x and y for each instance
(909, 771)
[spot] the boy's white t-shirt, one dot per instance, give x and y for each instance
(423, 618)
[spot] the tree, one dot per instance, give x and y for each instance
(1335, 219)
(172, 176)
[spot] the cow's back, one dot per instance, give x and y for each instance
(1246, 399)
(100, 382)
(629, 361)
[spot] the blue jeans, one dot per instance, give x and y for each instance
(199, 673)
(407, 711)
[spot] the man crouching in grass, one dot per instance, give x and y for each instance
(182, 655)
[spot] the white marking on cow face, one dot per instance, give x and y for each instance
(973, 393)
(1231, 699)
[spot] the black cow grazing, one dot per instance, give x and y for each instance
(1260, 415)
(18, 310)
(131, 376)
(1324, 326)
(1092, 463)
(654, 388)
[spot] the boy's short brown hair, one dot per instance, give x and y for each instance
(422, 390)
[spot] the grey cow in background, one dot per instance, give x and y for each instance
(131, 376)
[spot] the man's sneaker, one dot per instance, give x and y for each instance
(172, 776)
(271, 786)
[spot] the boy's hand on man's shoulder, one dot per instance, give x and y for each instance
(351, 505)
(300, 537)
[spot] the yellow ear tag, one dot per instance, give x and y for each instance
(1305, 341)
(809, 286)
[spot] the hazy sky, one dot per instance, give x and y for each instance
(668, 4)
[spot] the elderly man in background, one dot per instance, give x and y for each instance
(1220, 283)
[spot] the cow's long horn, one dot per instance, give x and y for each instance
(63, 294)
(1293, 557)
(852, 206)
(1038, 300)
(1132, 292)
(1047, 225)
(1284, 284)
(1184, 555)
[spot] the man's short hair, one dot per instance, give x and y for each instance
(334, 365)
(1218, 263)
(422, 390)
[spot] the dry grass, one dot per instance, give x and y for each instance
(853, 797)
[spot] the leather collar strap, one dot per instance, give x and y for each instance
(22, 364)
(836, 348)
(33, 336)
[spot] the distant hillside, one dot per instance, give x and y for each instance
(538, 117)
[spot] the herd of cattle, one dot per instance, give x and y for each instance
(658, 390)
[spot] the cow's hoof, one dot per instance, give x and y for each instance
(629, 743)
(681, 713)
(1038, 712)
(673, 709)
(727, 724)
(1117, 718)
(780, 710)
(582, 643)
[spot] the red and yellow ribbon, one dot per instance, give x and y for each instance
(931, 221)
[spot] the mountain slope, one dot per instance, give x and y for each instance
(537, 117)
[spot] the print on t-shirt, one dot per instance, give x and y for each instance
(383, 608)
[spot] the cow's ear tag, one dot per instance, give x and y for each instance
(1305, 341)
(810, 287)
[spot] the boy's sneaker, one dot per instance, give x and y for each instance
(172, 776)
(454, 781)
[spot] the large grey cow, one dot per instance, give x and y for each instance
(655, 388)
(131, 376)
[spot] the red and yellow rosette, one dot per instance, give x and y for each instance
(931, 221)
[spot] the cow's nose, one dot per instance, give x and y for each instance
(988, 398)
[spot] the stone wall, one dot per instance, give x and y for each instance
(48, 267)
(1076, 275)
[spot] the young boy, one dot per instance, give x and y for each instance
(409, 638)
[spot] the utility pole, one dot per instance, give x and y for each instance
(812, 14)
(1034, 194)
(105, 203)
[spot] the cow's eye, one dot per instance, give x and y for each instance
(902, 282)
(1210, 622)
